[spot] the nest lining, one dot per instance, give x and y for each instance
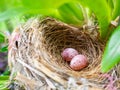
(38, 54)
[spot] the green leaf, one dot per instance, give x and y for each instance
(102, 12)
(3, 27)
(111, 56)
(6, 72)
(43, 4)
(4, 81)
(4, 78)
(71, 13)
(13, 3)
(111, 4)
(47, 12)
(2, 4)
(2, 37)
(4, 49)
(12, 12)
(116, 11)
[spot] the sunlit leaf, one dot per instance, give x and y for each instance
(71, 13)
(116, 11)
(2, 4)
(42, 4)
(12, 12)
(102, 12)
(4, 81)
(3, 26)
(111, 55)
(111, 4)
(13, 3)
(46, 12)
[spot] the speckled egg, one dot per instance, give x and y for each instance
(79, 62)
(69, 53)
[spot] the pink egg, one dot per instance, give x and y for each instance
(79, 62)
(69, 53)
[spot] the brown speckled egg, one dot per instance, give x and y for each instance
(69, 53)
(78, 62)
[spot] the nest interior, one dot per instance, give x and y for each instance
(36, 55)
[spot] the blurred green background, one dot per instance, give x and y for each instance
(74, 12)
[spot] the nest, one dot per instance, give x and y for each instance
(36, 63)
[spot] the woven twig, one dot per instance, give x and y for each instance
(36, 56)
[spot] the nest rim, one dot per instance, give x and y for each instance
(40, 37)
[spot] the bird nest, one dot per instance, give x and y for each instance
(35, 57)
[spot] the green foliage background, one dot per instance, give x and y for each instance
(75, 12)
